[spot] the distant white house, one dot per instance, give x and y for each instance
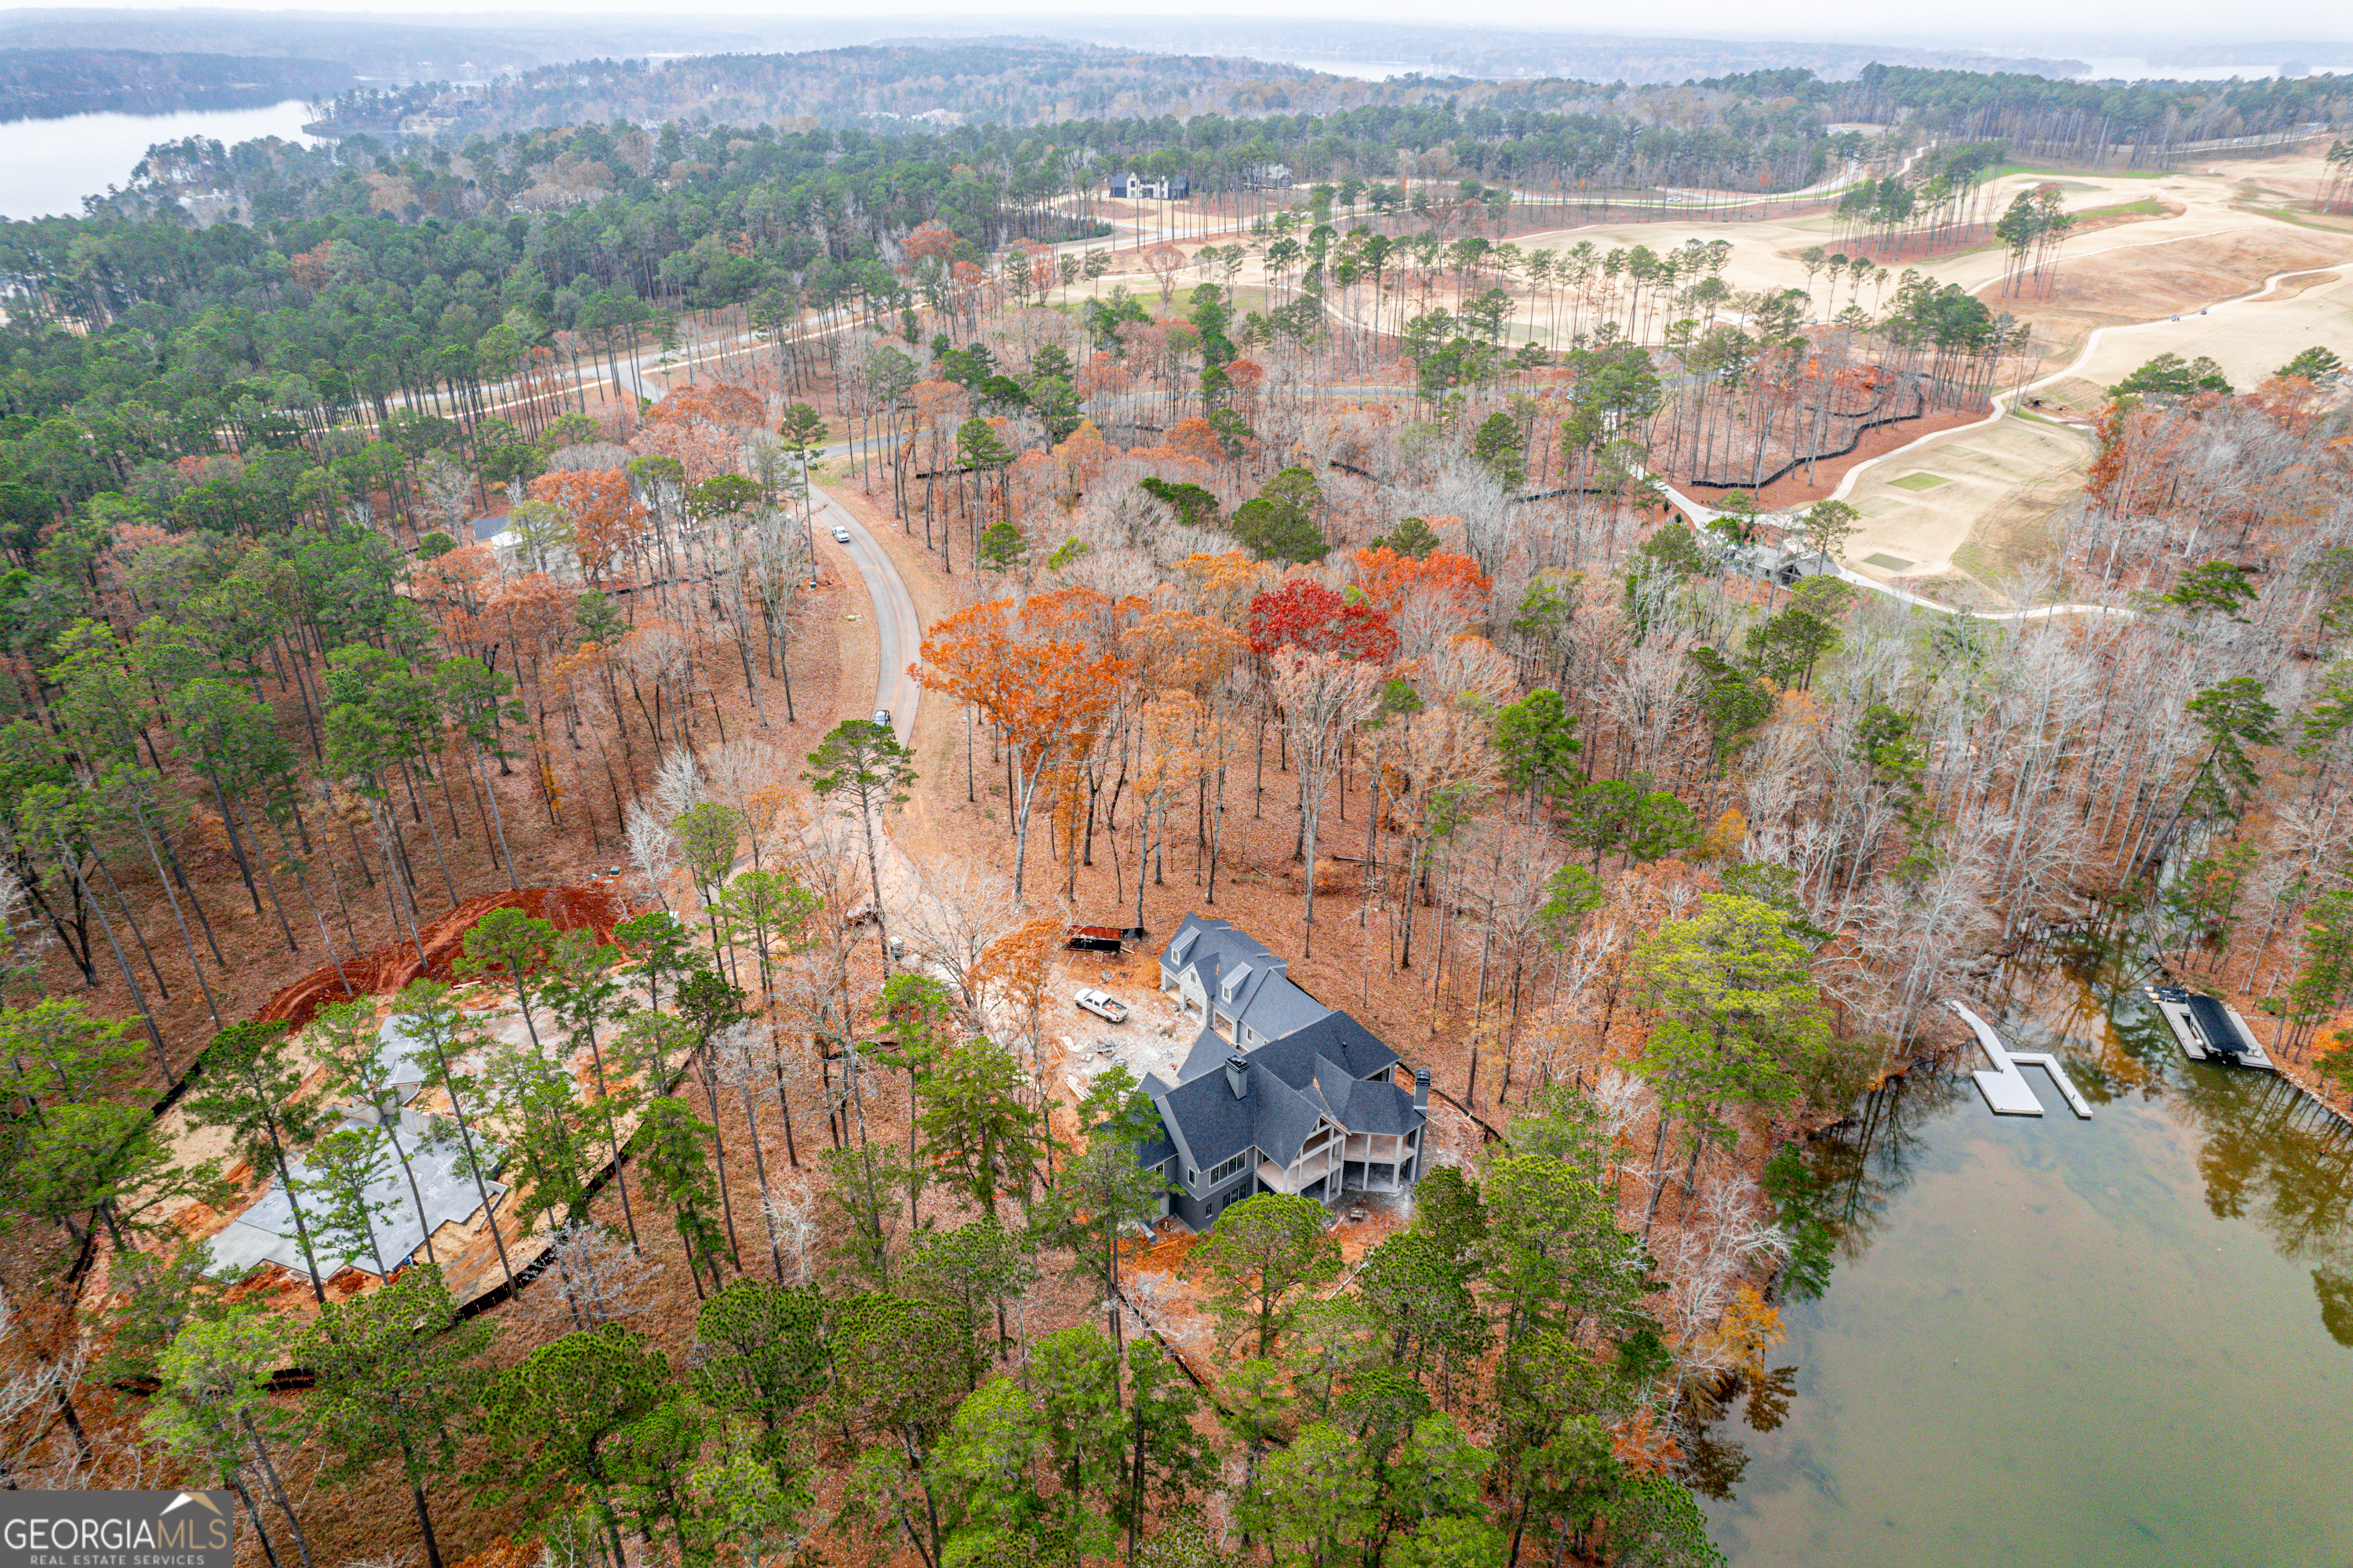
(1781, 564)
(1128, 185)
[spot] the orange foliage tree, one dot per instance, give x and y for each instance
(607, 520)
(1224, 585)
(930, 242)
(453, 588)
(1425, 600)
(1040, 673)
(1175, 650)
(722, 404)
(1194, 438)
(1391, 579)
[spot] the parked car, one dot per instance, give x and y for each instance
(1103, 1004)
(840, 535)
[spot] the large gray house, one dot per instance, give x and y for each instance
(1133, 186)
(1278, 1093)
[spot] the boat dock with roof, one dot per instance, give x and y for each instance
(2207, 1030)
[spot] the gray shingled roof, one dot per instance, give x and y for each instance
(1284, 1117)
(1339, 1038)
(1322, 1070)
(1215, 942)
(1277, 1008)
(1153, 1150)
(1216, 1126)
(1207, 1053)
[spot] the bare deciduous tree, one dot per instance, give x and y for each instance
(599, 1276)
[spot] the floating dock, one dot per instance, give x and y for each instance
(2050, 1063)
(2005, 1087)
(2207, 1030)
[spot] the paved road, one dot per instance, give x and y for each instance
(898, 629)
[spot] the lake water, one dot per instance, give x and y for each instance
(2054, 1342)
(49, 166)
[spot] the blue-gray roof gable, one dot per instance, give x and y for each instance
(1216, 1126)
(1209, 1052)
(1277, 1008)
(1340, 1038)
(1284, 1118)
(1217, 949)
(1336, 1068)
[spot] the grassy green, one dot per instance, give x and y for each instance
(2085, 173)
(2148, 206)
(1919, 482)
(2301, 219)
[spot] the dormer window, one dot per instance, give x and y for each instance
(1231, 983)
(1180, 947)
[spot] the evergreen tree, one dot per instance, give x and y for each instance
(669, 1147)
(553, 1422)
(252, 1091)
(1265, 1254)
(860, 767)
(212, 1406)
(1278, 522)
(393, 1378)
(514, 950)
(760, 1354)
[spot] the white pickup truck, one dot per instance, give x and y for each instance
(1103, 1004)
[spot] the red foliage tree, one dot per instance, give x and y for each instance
(933, 240)
(1303, 613)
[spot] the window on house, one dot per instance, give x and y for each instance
(1229, 1169)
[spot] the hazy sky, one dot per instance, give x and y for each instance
(2120, 28)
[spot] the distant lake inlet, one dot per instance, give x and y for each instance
(46, 166)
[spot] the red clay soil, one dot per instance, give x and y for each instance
(395, 964)
(1792, 489)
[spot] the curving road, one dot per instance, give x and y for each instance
(898, 629)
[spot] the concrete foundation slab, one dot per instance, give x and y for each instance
(265, 1232)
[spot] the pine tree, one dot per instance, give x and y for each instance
(251, 1090)
(553, 1422)
(1265, 1255)
(393, 1378)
